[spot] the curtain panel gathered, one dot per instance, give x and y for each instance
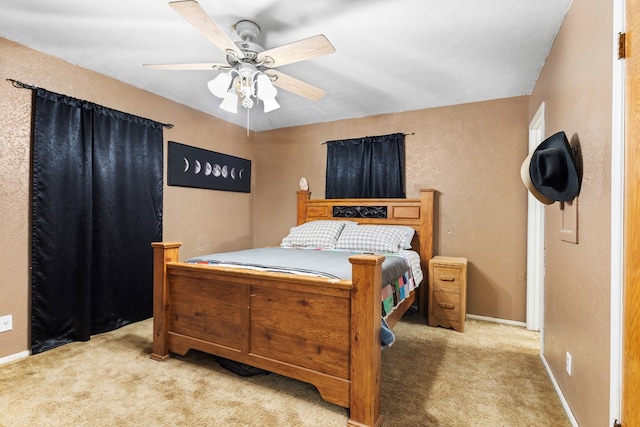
(96, 207)
(370, 167)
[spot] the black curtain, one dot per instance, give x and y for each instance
(96, 208)
(370, 167)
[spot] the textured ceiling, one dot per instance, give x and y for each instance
(391, 55)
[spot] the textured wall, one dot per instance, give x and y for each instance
(575, 85)
(470, 153)
(15, 155)
(205, 220)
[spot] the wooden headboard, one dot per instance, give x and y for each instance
(415, 213)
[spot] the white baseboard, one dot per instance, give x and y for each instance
(13, 357)
(496, 320)
(564, 402)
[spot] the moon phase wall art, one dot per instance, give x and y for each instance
(194, 167)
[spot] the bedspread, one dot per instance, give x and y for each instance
(327, 263)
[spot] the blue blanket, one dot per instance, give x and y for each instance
(332, 264)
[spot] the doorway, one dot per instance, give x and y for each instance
(535, 240)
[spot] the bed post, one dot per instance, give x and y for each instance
(427, 199)
(366, 358)
(303, 196)
(162, 254)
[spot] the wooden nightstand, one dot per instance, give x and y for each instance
(447, 304)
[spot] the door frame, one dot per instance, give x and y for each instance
(617, 218)
(630, 382)
(535, 239)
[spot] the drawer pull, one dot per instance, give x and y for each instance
(446, 305)
(447, 278)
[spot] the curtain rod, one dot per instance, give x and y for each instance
(405, 134)
(21, 85)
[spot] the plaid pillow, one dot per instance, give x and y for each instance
(408, 231)
(371, 238)
(318, 234)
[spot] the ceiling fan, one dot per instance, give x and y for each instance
(249, 72)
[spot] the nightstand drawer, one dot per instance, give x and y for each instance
(446, 306)
(446, 278)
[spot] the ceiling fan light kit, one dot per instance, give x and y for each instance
(249, 74)
(248, 82)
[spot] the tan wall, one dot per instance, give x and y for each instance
(470, 153)
(205, 220)
(575, 84)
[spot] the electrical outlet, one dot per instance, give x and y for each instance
(6, 323)
(569, 366)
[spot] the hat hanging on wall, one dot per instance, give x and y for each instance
(553, 171)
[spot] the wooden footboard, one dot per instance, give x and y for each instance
(321, 331)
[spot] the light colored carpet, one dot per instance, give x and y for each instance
(491, 375)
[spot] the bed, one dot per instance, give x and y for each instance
(323, 331)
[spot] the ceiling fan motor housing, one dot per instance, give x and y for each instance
(248, 31)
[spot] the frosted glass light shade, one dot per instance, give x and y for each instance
(220, 85)
(230, 102)
(266, 90)
(270, 105)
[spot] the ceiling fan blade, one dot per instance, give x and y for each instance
(201, 66)
(296, 86)
(297, 51)
(193, 13)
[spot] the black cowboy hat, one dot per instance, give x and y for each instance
(553, 171)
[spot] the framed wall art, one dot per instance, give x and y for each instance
(198, 168)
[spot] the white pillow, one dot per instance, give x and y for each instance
(318, 234)
(371, 238)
